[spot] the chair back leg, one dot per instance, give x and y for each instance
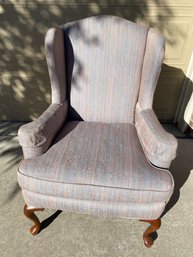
(148, 237)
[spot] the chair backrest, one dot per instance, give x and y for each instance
(105, 58)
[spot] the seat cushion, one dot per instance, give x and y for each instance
(99, 162)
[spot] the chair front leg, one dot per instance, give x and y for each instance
(147, 236)
(29, 213)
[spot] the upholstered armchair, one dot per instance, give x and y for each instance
(99, 148)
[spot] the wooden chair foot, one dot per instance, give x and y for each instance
(147, 236)
(29, 213)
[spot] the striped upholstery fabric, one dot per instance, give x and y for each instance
(104, 57)
(113, 209)
(158, 145)
(54, 48)
(100, 68)
(153, 58)
(36, 137)
(97, 162)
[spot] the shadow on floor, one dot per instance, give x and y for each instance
(180, 170)
(45, 223)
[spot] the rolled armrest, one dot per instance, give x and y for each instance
(36, 136)
(159, 146)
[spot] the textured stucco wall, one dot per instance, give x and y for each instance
(24, 81)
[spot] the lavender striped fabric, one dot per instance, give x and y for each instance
(55, 56)
(100, 68)
(158, 145)
(36, 137)
(153, 58)
(104, 57)
(96, 162)
(116, 209)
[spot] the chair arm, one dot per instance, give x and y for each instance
(36, 136)
(159, 146)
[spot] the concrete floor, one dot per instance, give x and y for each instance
(70, 234)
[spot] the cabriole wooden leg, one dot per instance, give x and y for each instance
(29, 213)
(154, 225)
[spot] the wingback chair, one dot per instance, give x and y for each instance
(99, 147)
